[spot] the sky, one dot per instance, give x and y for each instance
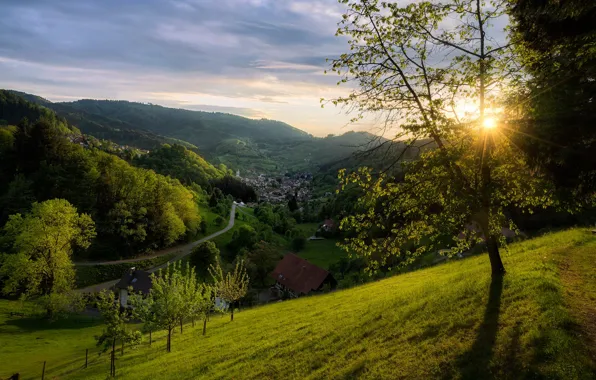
(254, 58)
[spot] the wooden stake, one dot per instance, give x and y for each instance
(43, 371)
(86, 356)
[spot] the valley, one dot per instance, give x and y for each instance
(300, 189)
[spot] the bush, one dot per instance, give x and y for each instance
(202, 256)
(219, 221)
(298, 243)
(203, 226)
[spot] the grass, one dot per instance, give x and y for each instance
(448, 321)
(322, 253)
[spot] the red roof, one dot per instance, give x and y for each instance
(329, 223)
(298, 274)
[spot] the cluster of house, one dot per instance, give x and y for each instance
(293, 275)
(277, 189)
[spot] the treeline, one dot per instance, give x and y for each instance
(181, 163)
(189, 167)
(135, 210)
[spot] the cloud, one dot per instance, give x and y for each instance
(256, 58)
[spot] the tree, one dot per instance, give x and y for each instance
(116, 329)
(203, 226)
(416, 66)
(244, 237)
(260, 262)
(202, 303)
(43, 241)
(232, 286)
(203, 256)
(293, 204)
(142, 309)
(165, 302)
(555, 103)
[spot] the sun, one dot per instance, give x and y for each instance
(489, 123)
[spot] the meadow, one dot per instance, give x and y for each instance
(448, 321)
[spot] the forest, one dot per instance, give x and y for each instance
(135, 209)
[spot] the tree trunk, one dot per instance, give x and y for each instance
(205, 326)
(122, 349)
(193, 322)
(149, 338)
(169, 345)
(231, 311)
(492, 244)
(180, 325)
(496, 264)
(112, 362)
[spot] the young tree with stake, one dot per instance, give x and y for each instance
(116, 328)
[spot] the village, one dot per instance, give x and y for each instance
(277, 189)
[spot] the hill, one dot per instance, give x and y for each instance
(249, 145)
(203, 129)
(448, 321)
(135, 210)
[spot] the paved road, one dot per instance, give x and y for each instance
(181, 252)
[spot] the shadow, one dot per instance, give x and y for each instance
(39, 323)
(513, 366)
(475, 363)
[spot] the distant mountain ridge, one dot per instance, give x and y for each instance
(235, 141)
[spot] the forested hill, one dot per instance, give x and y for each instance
(239, 143)
(134, 209)
(203, 129)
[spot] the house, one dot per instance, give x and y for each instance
(139, 280)
(297, 276)
(328, 225)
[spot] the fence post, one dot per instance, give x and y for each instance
(43, 371)
(86, 356)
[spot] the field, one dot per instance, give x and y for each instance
(447, 321)
(322, 253)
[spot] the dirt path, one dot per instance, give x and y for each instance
(579, 280)
(182, 251)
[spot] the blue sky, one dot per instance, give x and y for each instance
(256, 58)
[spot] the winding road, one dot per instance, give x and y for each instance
(181, 252)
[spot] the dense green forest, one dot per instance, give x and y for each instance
(179, 162)
(134, 209)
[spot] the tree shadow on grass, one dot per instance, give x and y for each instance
(38, 323)
(475, 363)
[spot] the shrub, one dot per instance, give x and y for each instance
(298, 243)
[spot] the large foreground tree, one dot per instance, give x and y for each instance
(433, 72)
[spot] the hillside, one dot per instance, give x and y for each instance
(203, 129)
(449, 321)
(239, 143)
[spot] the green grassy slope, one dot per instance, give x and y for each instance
(449, 321)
